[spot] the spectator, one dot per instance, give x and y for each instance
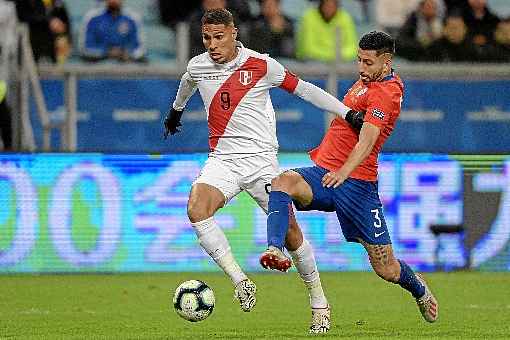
(195, 23)
(317, 33)
(422, 28)
(272, 32)
(49, 26)
(480, 21)
(499, 51)
(454, 45)
(112, 33)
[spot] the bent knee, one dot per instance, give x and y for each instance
(199, 209)
(284, 182)
(196, 211)
(204, 200)
(388, 272)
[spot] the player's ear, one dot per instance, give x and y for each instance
(234, 33)
(387, 62)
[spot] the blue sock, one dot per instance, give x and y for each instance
(409, 282)
(278, 218)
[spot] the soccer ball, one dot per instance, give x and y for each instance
(193, 300)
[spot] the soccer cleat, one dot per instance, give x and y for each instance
(427, 304)
(321, 320)
(245, 293)
(274, 258)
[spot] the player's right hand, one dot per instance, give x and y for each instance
(172, 122)
(355, 119)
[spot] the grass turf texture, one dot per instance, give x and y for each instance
(137, 306)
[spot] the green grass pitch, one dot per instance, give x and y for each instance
(137, 306)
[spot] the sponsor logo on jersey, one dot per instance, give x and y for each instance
(213, 77)
(378, 114)
(245, 77)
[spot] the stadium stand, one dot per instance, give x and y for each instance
(161, 39)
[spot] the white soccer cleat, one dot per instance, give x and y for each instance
(321, 320)
(245, 292)
(274, 258)
(427, 304)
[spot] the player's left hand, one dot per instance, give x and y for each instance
(355, 119)
(333, 179)
(172, 122)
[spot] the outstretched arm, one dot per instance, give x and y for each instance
(284, 79)
(320, 98)
(367, 138)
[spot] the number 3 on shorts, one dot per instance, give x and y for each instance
(378, 222)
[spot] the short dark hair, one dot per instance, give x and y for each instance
(379, 41)
(218, 16)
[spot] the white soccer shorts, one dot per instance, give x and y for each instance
(252, 174)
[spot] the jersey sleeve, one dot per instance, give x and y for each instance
(280, 77)
(380, 106)
(187, 88)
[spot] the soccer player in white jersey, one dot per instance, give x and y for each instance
(234, 83)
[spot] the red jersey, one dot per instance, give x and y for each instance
(381, 101)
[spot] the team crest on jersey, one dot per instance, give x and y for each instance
(378, 114)
(245, 77)
(362, 92)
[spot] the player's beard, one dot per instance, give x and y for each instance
(377, 76)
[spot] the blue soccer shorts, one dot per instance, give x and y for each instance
(356, 203)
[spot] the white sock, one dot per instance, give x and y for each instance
(307, 268)
(214, 242)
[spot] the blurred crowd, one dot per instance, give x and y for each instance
(456, 31)
(325, 31)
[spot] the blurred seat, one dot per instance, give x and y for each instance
(355, 10)
(500, 7)
(147, 9)
(78, 8)
(294, 9)
(160, 42)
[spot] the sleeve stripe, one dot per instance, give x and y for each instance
(290, 82)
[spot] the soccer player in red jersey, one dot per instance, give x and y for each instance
(344, 178)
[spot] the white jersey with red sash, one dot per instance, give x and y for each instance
(239, 111)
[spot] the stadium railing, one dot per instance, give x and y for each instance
(23, 78)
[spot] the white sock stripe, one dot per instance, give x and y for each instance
(206, 226)
(201, 224)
